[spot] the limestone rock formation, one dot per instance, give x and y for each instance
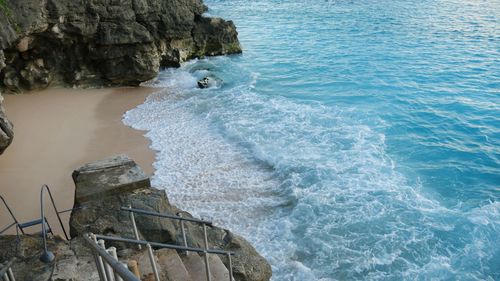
(121, 183)
(6, 133)
(105, 42)
(101, 42)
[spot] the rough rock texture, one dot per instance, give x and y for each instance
(101, 42)
(102, 215)
(106, 176)
(6, 133)
(104, 42)
(73, 260)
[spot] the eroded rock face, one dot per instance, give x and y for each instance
(6, 132)
(101, 43)
(105, 42)
(124, 186)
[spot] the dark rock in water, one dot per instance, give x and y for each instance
(209, 81)
(203, 83)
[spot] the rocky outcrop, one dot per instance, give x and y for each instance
(74, 261)
(105, 42)
(6, 133)
(105, 186)
(101, 43)
(101, 189)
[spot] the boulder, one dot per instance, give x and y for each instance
(105, 186)
(209, 81)
(110, 176)
(6, 128)
(112, 183)
(203, 83)
(109, 42)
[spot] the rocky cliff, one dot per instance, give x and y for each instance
(101, 42)
(102, 188)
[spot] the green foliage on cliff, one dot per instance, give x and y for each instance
(7, 12)
(4, 8)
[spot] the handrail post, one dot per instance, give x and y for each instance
(55, 209)
(112, 252)
(183, 231)
(116, 266)
(10, 212)
(230, 267)
(108, 270)
(99, 263)
(153, 262)
(11, 274)
(47, 256)
(207, 265)
(134, 225)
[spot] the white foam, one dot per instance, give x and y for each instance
(311, 186)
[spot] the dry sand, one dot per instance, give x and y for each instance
(58, 130)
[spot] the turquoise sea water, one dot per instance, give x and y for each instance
(352, 140)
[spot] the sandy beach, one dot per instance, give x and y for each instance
(58, 130)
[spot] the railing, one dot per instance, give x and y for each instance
(6, 271)
(104, 260)
(185, 248)
(22, 226)
(16, 222)
(47, 256)
(108, 266)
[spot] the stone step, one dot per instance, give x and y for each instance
(195, 265)
(171, 265)
(218, 269)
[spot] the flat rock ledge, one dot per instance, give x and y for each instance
(102, 188)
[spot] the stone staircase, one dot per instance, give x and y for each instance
(180, 267)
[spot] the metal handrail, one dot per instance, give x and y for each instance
(6, 271)
(111, 261)
(48, 256)
(148, 213)
(163, 245)
(184, 237)
(46, 187)
(16, 222)
(171, 246)
(8, 227)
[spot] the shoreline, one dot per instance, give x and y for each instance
(58, 130)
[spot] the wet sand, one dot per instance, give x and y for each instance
(58, 130)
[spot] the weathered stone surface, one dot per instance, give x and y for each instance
(73, 261)
(106, 42)
(6, 132)
(107, 177)
(248, 264)
(114, 183)
(101, 43)
(102, 215)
